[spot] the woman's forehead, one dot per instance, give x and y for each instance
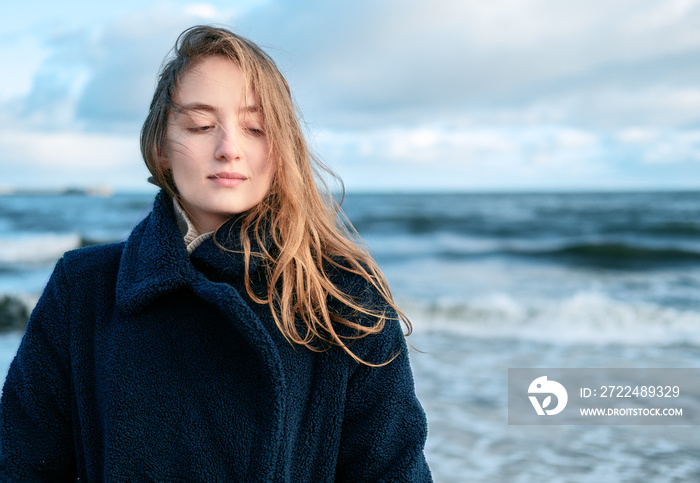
(214, 80)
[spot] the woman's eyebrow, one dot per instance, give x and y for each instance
(198, 106)
(251, 108)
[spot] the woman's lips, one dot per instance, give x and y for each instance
(227, 179)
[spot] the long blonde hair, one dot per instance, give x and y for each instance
(309, 239)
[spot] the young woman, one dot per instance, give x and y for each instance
(239, 334)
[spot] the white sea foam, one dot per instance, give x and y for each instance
(462, 382)
(583, 317)
(30, 249)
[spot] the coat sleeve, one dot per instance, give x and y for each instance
(384, 426)
(36, 437)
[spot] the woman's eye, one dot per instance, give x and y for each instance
(198, 129)
(255, 131)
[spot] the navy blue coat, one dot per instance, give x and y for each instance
(143, 363)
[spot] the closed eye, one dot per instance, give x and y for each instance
(255, 131)
(200, 129)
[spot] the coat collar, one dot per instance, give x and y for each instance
(155, 260)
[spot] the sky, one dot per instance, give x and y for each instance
(395, 95)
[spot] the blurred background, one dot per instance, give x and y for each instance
(398, 95)
(524, 171)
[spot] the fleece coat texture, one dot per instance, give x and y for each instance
(142, 362)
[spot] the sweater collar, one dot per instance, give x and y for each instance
(192, 237)
(155, 259)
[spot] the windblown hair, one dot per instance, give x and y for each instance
(305, 239)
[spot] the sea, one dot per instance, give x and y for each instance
(490, 281)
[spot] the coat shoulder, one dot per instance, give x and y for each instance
(93, 261)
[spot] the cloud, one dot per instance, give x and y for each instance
(662, 146)
(51, 159)
(56, 85)
(425, 157)
(68, 150)
(101, 79)
(25, 55)
(377, 63)
(517, 90)
(461, 60)
(203, 10)
(125, 61)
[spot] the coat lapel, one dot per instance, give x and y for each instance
(154, 261)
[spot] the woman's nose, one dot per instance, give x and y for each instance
(227, 145)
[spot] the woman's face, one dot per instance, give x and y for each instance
(216, 145)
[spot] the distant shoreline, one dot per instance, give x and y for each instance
(108, 191)
(104, 191)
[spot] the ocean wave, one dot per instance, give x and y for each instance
(33, 249)
(500, 221)
(585, 317)
(599, 252)
(623, 252)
